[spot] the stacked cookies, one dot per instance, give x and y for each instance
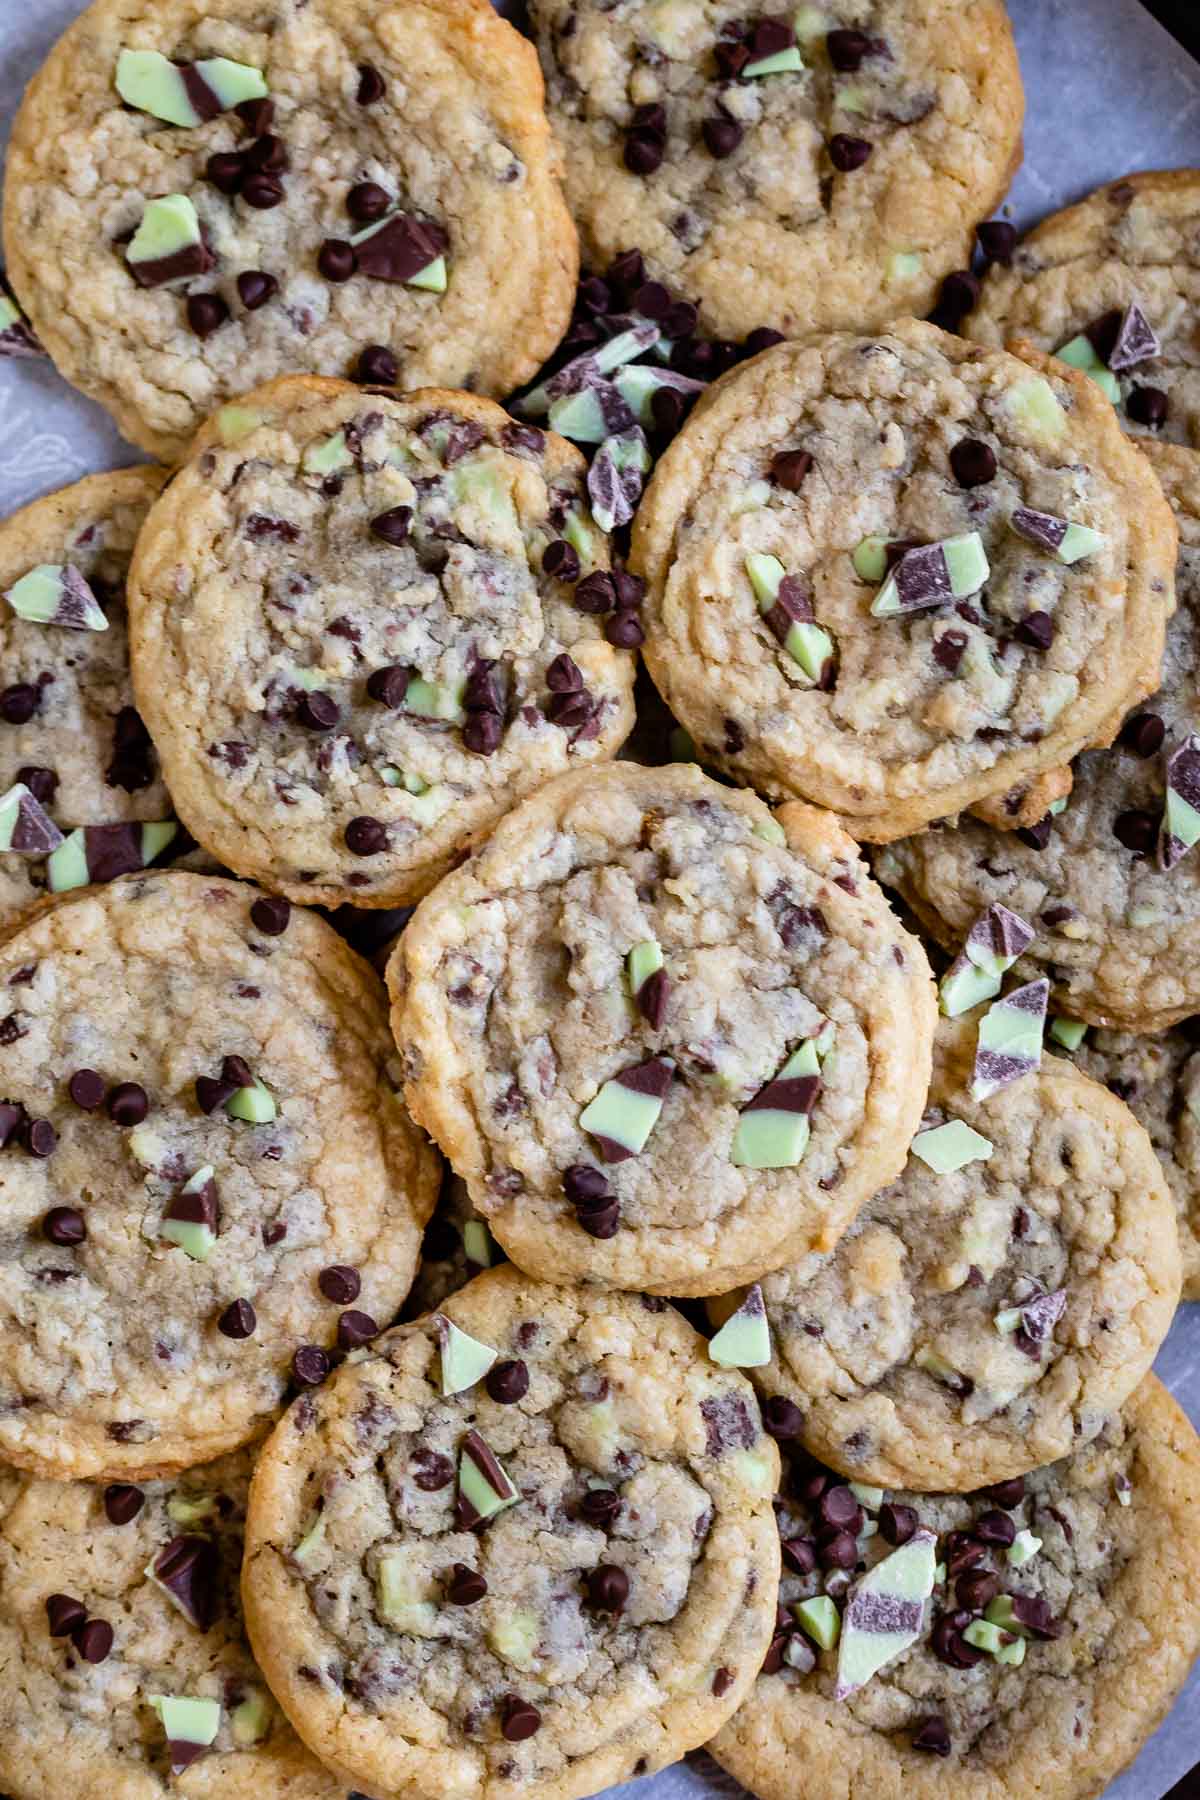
(807, 1035)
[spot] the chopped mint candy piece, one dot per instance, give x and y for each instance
(798, 1656)
(785, 602)
(254, 1105)
(484, 1488)
(1069, 543)
(903, 265)
(237, 422)
(950, 1147)
(155, 837)
(870, 559)
(765, 573)
(616, 478)
(744, 1340)
(937, 1366)
(637, 385)
(478, 1245)
(1010, 1039)
(643, 961)
(67, 867)
(402, 1594)
(191, 1726)
(1023, 1549)
(751, 498)
(625, 347)
(626, 1109)
(1136, 341)
(870, 1497)
(17, 337)
(168, 245)
(783, 62)
(1035, 403)
(433, 277)
(963, 987)
(1008, 1321)
(810, 22)
(432, 700)
(311, 1544)
(102, 852)
(464, 1359)
(56, 594)
(191, 1218)
(818, 1619)
(250, 1721)
(25, 827)
(1040, 1315)
(1024, 1615)
(327, 458)
(1180, 828)
(993, 944)
(771, 831)
(1012, 1652)
(412, 784)
(192, 1509)
(1124, 1490)
(1058, 806)
(810, 647)
(1079, 541)
(1070, 1033)
(583, 371)
(582, 416)
(580, 539)
(772, 1130)
(1080, 353)
(186, 94)
(885, 1610)
(932, 574)
(400, 248)
(984, 1635)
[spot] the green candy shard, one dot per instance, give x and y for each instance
(783, 62)
(192, 1509)
(870, 1497)
(412, 784)
(931, 574)
(765, 574)
(579, 416)
(56, 594)
(775, 1136)
(950, 1147)
(885, 1612)
(1080, 353)
(1012, 1653)
(967, 563)
(401, 1594)
(963, 986)
(152, 84)
(515, 1636)
(1058, 806)
(870, 559)
(1023, 1549)
(1070, 1033)
(169, 226)
(434, 700)
(250, 1721)
(10, 313)
(1008, 1320)
(744, 1340)
(311, 1544)
(771, 831)
(484, 1486)
(1079, 541)
(478, 1245)
(937, 1366)
(623, 348)
(984, 1635)
(577, 534)
(810, 646)
(1000, 1612)
(903, 265)
(464, 1360)
(1035, 402)
(810, 22)
(194, 1234)
(327, 458)
(627, 1108)
(254, 1105)
(66, 867)
(433, 277)
(1010, 1039)
(751, 499)
(818, 1619)
(155, 838)
(995, 941)
(237, 422)
(643, 960)
(189, 1725)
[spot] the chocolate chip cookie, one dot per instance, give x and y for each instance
(1105, 879)
(997, 1304)
(210, 1182)
(897, 575)
(662, 1034)
(527, 1541)
(363, 625)
(122, 1651)
(1025, 1639)
(812, 172)
(201, 196)
(1113, 286)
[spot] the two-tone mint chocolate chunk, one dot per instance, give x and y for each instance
(617, 476)
(584, 371)
(932, 575)
(168, 245)
(1069, 543)
(993, 944)
(637, 385)
(17, 336)
(1136, 341)
(627, 1108)
(191, 1217)
(25, 827)
(785, 603)
(744, 1340)
(1010, 1039)
(1080, 353)
(56, 594)
(188, 93)
(1180, 828)
(947, 1148)
(187, 1572)
(885, 1612)
(191, 1726)
(590, 414)
(464, 1360)
(648, 982)
(102, 852)
(403, 249)
(484, 1486)
(772, 1131)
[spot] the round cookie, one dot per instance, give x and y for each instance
(347, 646)
(807, 184)
(278, 136)
(199, 1123)
(1117, 934)
(155, 1573)
(597, 1612)
(1072, 283)
(999, 1302)
(1111, 1590)
(761, 1087)
(801, 667)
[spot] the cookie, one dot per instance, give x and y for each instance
(122, 1629)
(661, 1034)
(864, 583)
(204, 194)
(996, 1305)
(204, 1162)
(527, 1542)
(1114, 284)
(363, 625)
(1118, 933)
(817, 172)
(1093, 1562)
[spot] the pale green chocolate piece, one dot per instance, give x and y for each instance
(478, 1244)
(327, 458)
(1070, 1033)
(464, 1360)
(1023, 1549)
(903, 265)
(1012, 1652)
(577, 534)
(18, 802)
(771, 831)
(965, 986)
(236, 422)
(168, 226)
(885, 1612)
(579, 416)
(186, 1720)
(967, 563)
(311, 1544)
(1035, 402)
(431, 700)
(619, 1113)
(151, 83)
(37, 598)
(401, 1598)
(644, 960)
(1000, 1612)
(810, 22)
(433, 278)
(254, 1105)
(515, 1636)
(744, 1340)
(1011, 1032)
(770, 1138)
(870, 1497)
(765, 574)
(155, 838)
(950, 1147)
(870, 559)
(250, 1721)
(810, 647)
(984, 1635)
(1008, 1321)
(933, 1364)
(189, 1235)
(478, 1491)
(67, 867)
(818, 1619)
(1080, 354)
(1079, 541)
(783, 62)
(192, 1509)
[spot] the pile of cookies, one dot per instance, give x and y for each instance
(554, 1215)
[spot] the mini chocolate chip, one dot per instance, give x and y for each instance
(560, 560)
(569, 710)
(789, 468)
(811, 1485)
(644, 152)
(86, 1089)
(1148, 406)
(722, 1681)
(93, 1640)
(997, 239)
(466, 1587)
(563, 675)
(42, 783)
(392, 526)
(583, 1183)
(1006, 1493)
(377, 367)
(19, 702)
(366, 837)
(507, 1382)
(838, 1507)
(600, 1506)
(389, 686)
(722, 136)
(355, 1329)
(255, 287)
(995, 1527)
(256, 115)
(64, 1614)
(949, 1645)
(128, 1104)
(518, 1719)
(39, 1137)
(933, 1735)
(799, 1555)
(596, 593)
(271, 913)
(336, 259)
(64, 1225)
(371, 85)
(897, 1523)
(973, 463)
(1037, 629)
(206, 313)
(847, 49)
(267, 153)
(317, 711)
(239, 1320)
(607, 1588)
(340, 1283)
(782, 1418)
(1143, 734)
(431, 1470)
(482, 733)
(948, 650)
(1137, 830)
(763, 337)
(122, 1502)
(367, 201)
(975, 1588)
(838, 1550)
(310, 1365)
(624, 631)
(262, 190)
(226, 171)
(1037, 836)
(848, 153)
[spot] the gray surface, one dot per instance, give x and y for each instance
(1109, 91)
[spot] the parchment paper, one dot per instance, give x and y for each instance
(1109, 91)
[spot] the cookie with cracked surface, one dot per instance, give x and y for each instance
(202, 194)
(199, 1130)
(999, 1302)
(1106, 1629)
(149, 1575)
(555, 1615)
(864, 585)
(363, 625)
(1118, 934)
(661, 1034)
(813, 173)
(1115, 281)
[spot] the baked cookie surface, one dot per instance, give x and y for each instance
(277, 136)
(588, 1599)
(199, 1131)
(747, 1100)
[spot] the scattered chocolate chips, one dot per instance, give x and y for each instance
(847, 50)
(354, 1329)
(789, 468)
(624, 631)
(128, 1104)
(599, 1507)
(848, 153)
(518, 1719)
(336, 259)
(206, 313)
(255, 287)
(560, 560)
(507, 1382)
(431, 1471)
(367, 201)
(371, 85)
(1143, 734)
(226, 171)
(607, 1588)
(646, 139)
(377, 366)
(995, 1528)
(782, 1418)
(238, 1321)
(466, 1587)
(392, 526)
(897, 1523)
(1148, 406)
(310, 1365)
(132, 765)
(39, 1137)
(596, 593)
(262, 190)
(596, 1205)
(950, 1646)
(188, 1568)
(997, 240)
(19, 702)
(839, 1509)
(271, 914)
(86, 1089)
(799, 1555)
(975, 1588)
(122, 1502)
(317, 711)
(64, 1614)
(1037, 836)
(973, 463)
(366, 837)
(256, 115)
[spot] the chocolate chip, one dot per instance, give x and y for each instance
(431, 1470)
(932, 1734)
(722, 1681)
(973, 463)
(569, 710)
(838, 1550)
(256, 115)
(262, 190)
(995, 1528)
(897, 1523)
(1037, 836)
(582, 1183)
(132, 765)
(1137, 830)
(19, 702)
(122, 1502)
(188, 1568)
(94, 1640)
(392, 526)
(560, 560)
(1148, 406)
(340, 1283)
(42, 783)
(518, 1719)
(268, 154)
(482, 733)
(624, 631)
(128, 1104)
(563, 675)
(271, 914)
(239, 1320)
(371, 85)
(722, 136)
(644, 152)
(310, 1365)
(354, 1329)
(601, 1221)
(1036, 629)
(948, 650)
(389, 686)
(962, 1551)
(975, 1588)
(86, 1089)
(799, 1555)
(206, 313)
(997, 240)
(366, 837)
(336, 259)
(507, 1382)
(377, 366)
(1143, 734)
(599, 1507)
(367, 201)
(848, 153)
(12, 1117)
(789, 468)
(949, 1645)
(839, 1509)
(255, 287)
(226, 171)
(607, 1588)
(782, 1419)
(847, 49)
(466, 1587)
(596, 593)
(64, 1614)
(317, 711)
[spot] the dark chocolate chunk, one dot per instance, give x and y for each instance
(518, 1719)
(64, 1225)
(507, 1382)
(340, 1284)
(371, 85)
(1148, 406)
(122, 1502)
(238, 1321)
(932, 1734)
(94, 1640)
(64, 1614)
(188, 1567)
(1143, 734)
(848, 153)
(377, 367)
(789, 468)
(782, 1418)
(466, 1587)
(366, 837)
(392, 526)
(973, 463)
(271, 914)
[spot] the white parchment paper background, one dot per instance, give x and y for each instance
(1109, 91)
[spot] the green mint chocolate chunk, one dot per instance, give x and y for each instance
(478, 1246)
(67, 866)
(232, 82)
(328, 457)
(967, 563)
(464, 1360)
(1010, 1039)
(643, 960)
(155, 837)
(1008, 1320)
(1035, 404)
(772, 1131)
(1079, 541)
(625, 347)
(818, 1619)
(237, 422)
(903, 265)
(1070, 1033)
(484, 1486)
(311, 1545)
(250, 1720)
(403, 1594)
(433, 278)
(996, 940)
(1023, 1549)
(185, 94)
(1011, 1652)
(771, 831)
(984, 1635)
(253, 1105)
(56, 594)
(870, 559)
(933, 1364)
(190, 1725)
(192, 1509)
(783, 62)
(579, 416)
(435, 700)
(964, 986)
(870, 1497)
(1000, 1612)
(765, 574)
(627, 1108)
(577, 534)
(810, 646)
(744, 1340)
(1080, 353)
(1180, 829)
(950, 1147)
(168, 245)
(811, 22)
(885, 1611)
(25, 827)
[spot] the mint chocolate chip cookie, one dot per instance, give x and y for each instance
(998, 1303)
(1106, 879)
(527, 1541)
(201, 197)
(662, 1034)
(123, 1657)
(899, 575)
(364, 624)
(210, 1182)
(815, 171)
(1059, 1624)
(1112, 286)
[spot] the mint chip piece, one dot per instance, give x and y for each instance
(56, 594)
(1180, 828)
(885, 1611)
(950, 1147)
(1010, 1039)
(744, 1340)
(772, 1131)
(464, 1359)
(25, 827)
(168, 245)
(627, 1108)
